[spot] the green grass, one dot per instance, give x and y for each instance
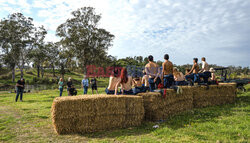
(30, 121)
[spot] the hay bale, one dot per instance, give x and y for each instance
(91, 113)
(215, 95)
(159, 108)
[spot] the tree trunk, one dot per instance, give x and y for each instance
(53, 67)
(42, 71)
(38, 70)
(13, 74)
(21, 69)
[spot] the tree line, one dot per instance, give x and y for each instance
(81, 42)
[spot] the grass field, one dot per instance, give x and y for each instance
(29, 121)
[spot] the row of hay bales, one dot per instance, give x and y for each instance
(91, 113)
(158, 107)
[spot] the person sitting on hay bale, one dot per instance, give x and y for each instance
(113, 80)
(212, 80)
(137, 84)
(125, 82)
(192, 75)
(179, 78)
(144, 81)
(204, 72)
(153, 71)
(72, 90)
(167, 72)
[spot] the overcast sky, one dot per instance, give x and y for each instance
(216, 29)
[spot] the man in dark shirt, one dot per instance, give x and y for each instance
(19, 89)
(93, 83)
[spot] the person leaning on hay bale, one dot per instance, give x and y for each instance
(179, 78)
(167, 72)
(60, 83)
(192, 75)
(204, 73)
(69, 84)
(153, 71)
(85, 85)
(125, 82)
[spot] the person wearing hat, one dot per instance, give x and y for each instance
(19, 89)
(213, 77)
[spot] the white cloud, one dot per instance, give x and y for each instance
(184, 29)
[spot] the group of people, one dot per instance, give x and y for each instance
(157, 77)
(71, 88)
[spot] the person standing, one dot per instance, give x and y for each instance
(60, 83)
(93, 83)
(167, 72)
(69, 84)
(85, 85)
(153, 71)
(19, 89)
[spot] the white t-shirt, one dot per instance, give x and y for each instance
(205, 66)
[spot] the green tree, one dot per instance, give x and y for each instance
(81, 36)
(15, 40)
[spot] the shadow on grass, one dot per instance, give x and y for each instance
(179, 121)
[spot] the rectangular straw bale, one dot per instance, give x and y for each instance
(159, 108)
(214, 95)
(91, 113)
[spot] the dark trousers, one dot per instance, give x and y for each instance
(61, 91)
(205, 75)
(180, 83)
(85, 89)
(168, 80)
(137, 90)
(19, 91)
(109, 91)
(128, 92)
(151, 84)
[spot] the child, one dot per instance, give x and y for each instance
(72, 90)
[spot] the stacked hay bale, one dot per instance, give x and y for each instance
(158, 107)
(214, 95)
(91, 113)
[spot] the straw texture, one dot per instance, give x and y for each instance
(91, 113)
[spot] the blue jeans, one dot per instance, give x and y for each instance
(85, 89)
(168, 80)
(128, 92)
(137, 90)
(109, 91)
(151, 84)
(61, 90)
(19, 91)
(194, 77)
(180, 83)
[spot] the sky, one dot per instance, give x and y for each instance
(216, 29)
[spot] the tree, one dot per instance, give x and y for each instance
(81, 36)
(52, 54)
(15, 38)
(39, 52)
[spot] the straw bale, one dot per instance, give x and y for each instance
(91, 113)
(159, 108)
(214, 95)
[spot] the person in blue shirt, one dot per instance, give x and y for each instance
(85, 85)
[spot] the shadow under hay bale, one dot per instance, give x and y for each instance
(216, 95)
(91, 113)
(159, 108)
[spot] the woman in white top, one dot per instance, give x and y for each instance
(125, 82)
(179, 78)
(204, 72)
